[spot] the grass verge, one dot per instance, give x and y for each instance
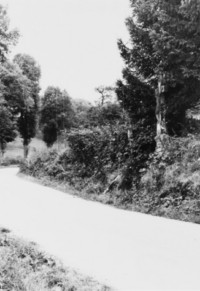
(24, 267)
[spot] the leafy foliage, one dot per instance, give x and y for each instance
(56, 114)
(109, 114)
(28, 113)
(28, 66)
(137, 99)
(7, 37)
(7, 127)
(15, 87)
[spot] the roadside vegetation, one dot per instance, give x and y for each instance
(169, 185)
(23, 266)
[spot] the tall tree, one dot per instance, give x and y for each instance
(16, 91)
(56, 114)
(164, 54)
(27, 121)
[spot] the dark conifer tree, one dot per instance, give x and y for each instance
(163, 55)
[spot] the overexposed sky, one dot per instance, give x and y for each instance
(74, 41)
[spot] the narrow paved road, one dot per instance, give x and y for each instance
(127, 250)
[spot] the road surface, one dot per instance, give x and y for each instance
(127, 250)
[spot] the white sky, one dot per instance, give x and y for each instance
(74, 41)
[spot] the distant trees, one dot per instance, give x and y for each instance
(80, 108)
(56, 114)
(105, 94)
(107, 111)
(106, 115)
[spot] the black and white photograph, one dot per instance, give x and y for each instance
(99, 145)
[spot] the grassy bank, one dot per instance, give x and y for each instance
(23, 266)
(169, 185)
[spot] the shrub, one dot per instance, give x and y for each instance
(99, 150)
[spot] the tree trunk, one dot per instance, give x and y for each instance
(161, 130)
(26, 148)
(3, 148)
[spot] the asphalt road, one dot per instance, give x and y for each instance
(127, 250)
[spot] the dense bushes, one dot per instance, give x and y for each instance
(100, 147)
(93, 154)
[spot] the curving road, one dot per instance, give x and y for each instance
(126, 250)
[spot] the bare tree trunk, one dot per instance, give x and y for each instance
(26, 148)
(3, 148)
(161, 130)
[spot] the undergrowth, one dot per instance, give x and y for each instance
(171, 184)
(167, 185)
